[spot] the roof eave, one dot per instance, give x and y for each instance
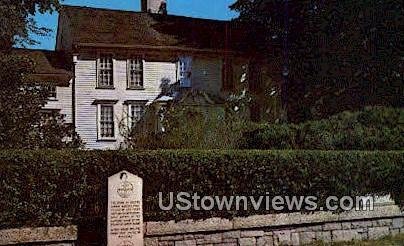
(58, 79)
(178, 49)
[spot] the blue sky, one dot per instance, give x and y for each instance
(211, 9)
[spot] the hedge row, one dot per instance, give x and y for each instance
(377, 128)
(61, 187)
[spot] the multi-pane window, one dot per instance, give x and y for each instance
(105, 72)
(106, 126)
(135, 73)
(136, 112)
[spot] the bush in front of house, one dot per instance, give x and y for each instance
(42, 188)
(190, 127)
(377, 128)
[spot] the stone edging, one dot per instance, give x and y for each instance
(38, 235)
(221, 227)
(270, 220)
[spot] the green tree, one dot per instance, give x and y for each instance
(335, 55)
(17, 21)
(22, 124)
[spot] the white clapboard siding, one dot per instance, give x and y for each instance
(157, 72)
(207, 75)
(63, 102)
(86, 94)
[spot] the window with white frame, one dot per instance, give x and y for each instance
(106, 125)
(105, 72)
(135, 111)
(135, 73)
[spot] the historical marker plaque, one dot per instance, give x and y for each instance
(125, 212)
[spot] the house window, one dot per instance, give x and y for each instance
(106, 122)
(135, 73)
(184, 71)
(136, 111)
(51, 92)
(105, 72)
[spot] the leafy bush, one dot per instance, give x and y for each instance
(58, 187)
(370, 129)
(191, 127)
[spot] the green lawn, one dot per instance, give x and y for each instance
(387, 241)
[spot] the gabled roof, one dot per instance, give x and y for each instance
(115, 27)
(50, 66)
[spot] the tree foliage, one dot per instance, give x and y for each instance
(22, 123)
(181, 126)
(335, 55)
(17, 21)
(374, 128)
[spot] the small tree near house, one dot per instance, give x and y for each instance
(22, 121)
(196, 120)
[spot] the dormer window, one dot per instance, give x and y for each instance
(135, 73)
(105, 72)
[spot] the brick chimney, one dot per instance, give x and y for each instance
(154, 6)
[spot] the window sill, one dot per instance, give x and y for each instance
(106, 140)
(105, 88)
(135, 88)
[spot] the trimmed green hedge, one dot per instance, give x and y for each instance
(377, 128)
(61, 187)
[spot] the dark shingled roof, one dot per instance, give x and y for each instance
(103, 26)
(50, 66)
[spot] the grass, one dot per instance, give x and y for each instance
(386, 241)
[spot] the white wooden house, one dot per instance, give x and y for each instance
(121, 60)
